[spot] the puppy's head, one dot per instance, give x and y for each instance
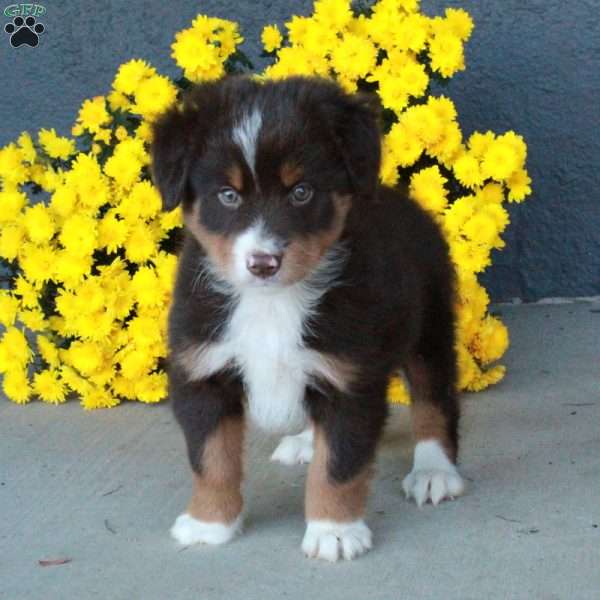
(266, 172)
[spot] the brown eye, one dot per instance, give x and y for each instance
(301, 194)
(229, 197)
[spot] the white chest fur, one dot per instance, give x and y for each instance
(263, 338)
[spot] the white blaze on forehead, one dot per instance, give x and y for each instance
(245, 135)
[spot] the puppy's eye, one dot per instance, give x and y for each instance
(229, 197)
(301, 194)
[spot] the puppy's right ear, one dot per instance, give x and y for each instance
(171, 155)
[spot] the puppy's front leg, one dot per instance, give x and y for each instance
(211, 416)
(339, 477)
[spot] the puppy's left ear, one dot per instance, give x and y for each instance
(170, 153)
(359, 138)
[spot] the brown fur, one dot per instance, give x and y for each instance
(428, 420)
(290, 174)
(235, 177)
(218, 247)
(217, 493)
(337, 371)
(188, 359)
(305, 252)
(327, 500)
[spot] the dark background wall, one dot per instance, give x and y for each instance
(532, 66)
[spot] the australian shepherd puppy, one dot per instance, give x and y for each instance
(303, 285)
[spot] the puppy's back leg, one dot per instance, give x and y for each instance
(431, 372)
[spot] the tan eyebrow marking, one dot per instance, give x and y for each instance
(290, 173)
(235, 177)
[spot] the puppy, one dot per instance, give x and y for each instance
(303, 285)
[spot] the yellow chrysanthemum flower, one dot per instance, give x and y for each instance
(39, 223)
(16, 385)
(354, 56)
(460, 22)
(446, 54)
(98, 398)
(140, 244)
(16, 346)
(79, 234)
(28, 151)
(93, 114)
(112, 232)
(500, 160)
(55, 145)
(37, 262)
(144, 285)
(48, 386)
(13, 171)
(130, 75)
(151, 388)
(26, 291)
(153, 96)
(427, 187)
(468, 171)
(70, 268)
(33, 319)
(118, 101)
(519, 184)
(125, 165)
(397, 391)
(86, 357)
(405, 146)
(334, 14)
(479, 143)
(271, 38)
(425, 123)
(9, 306)
(63, 200)
(12, 202)
(48, 351)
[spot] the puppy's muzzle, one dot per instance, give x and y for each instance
(263, 265)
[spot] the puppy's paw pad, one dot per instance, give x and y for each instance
(294, 449)
(187, 531)
(433, 484)
(331, 541)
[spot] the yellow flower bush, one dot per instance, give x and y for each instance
(89, 256)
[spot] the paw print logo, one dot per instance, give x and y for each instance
(24, 31)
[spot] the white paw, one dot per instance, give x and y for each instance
(295, 449)
(433, 476)
(331, 541)
(187, 531)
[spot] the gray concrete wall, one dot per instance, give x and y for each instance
(532, 66)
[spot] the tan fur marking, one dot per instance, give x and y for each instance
(235, 177)
(188, 358)
(218, 248)
(428, 421)
(303, 254)
(337, 371)
(327, 500)
(290, 174)
(217, 495)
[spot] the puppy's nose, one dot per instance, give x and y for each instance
(263, 265)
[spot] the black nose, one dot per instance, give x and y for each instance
(263, 265)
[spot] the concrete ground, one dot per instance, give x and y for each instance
(102, 489)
